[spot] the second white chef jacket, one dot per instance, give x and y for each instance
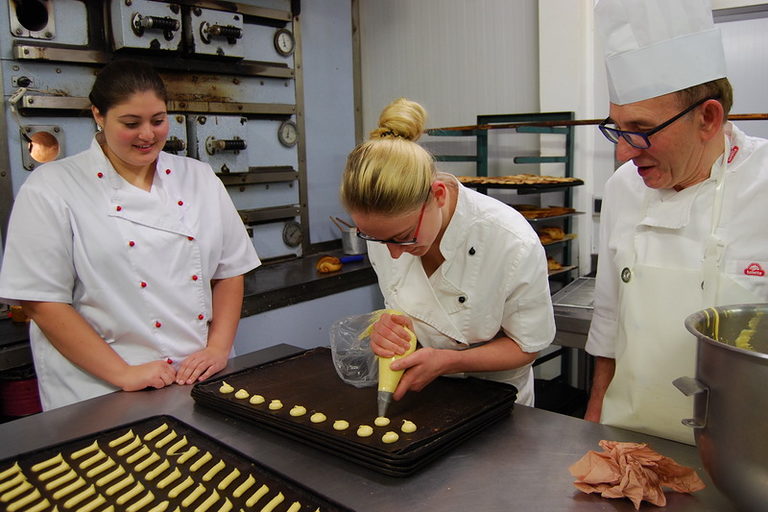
(136, 265)
(671, 229)
(494, 279)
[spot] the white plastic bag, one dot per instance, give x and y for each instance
(353, 358)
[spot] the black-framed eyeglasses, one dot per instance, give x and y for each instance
(640, 140)
(391, 241)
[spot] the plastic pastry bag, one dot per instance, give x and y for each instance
(353, 358)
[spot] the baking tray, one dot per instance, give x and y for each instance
(444, 412)
(144, 464)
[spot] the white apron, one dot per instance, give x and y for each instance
(653, 346)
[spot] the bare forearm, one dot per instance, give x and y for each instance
(601, 378)
(497, 355)
(74, 337)
(227, 304)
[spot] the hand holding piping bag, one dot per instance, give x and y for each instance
(392, 338)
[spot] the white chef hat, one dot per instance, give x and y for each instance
(654, 47)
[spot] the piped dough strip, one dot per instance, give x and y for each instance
(85, 451)
(192, 497)
(143, 502)
(178, 445)
(91, 505)
(226, 507)
(156, 432)
(47, 463)
(240, 490)
(130, 446)
(122, 439)
(167, 439)
(144, 450)
(160, 507)
(11, 471)
(270, 506)
(228, 479)
(117, 472)
(19, 489)
(128, 496)
(187, 455)
(13, 482)
(157, 470)
(256, 496)
(101, 468)
(208, 503)
(46, 475)
(208, 476)
(23, 502)
(201, 461)
(69, 489)
(119, 486)
(43, 505)
(61, 480)
(90, 461)
(173, 493)
(295, 507)
(81, 496)
(141, 466)
(168, 479)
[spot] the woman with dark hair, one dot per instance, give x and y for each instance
(128, 260)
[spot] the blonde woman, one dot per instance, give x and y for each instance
(467, 270)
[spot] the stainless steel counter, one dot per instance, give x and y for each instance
(520, 463)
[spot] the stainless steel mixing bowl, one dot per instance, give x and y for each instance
(731, 400)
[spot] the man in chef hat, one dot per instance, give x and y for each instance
(683, 220)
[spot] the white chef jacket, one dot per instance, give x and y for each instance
(494, 278)
(136, 265)
(675, 227)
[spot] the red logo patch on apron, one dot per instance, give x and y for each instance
(732, 155)
(754, 269)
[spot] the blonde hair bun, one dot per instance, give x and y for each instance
(401, 118)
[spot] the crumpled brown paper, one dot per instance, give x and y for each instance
(634, 471)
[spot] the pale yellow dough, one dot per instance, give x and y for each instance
(275, 405)
(408, 427)
(298, 410)
(242, 394)
(256, 400)
(340, 425)
(364, 431)
(318, 417)
(225, 388)
(381, 421)
(390, 437)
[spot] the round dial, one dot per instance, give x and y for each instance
(288, 134)
(292, 234)
(284, 42)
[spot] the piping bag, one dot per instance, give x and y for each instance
(388, 378)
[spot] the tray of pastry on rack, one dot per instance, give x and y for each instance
(530, 182)
(159, 464)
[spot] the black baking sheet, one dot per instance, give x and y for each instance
(446, 409)
(292, 491)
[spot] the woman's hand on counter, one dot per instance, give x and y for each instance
(389, 337)
(156, 374)
(201, 365)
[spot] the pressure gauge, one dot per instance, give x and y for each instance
(292, 234)
(288, 134)
(285, 44)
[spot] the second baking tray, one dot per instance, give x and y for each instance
(156, 464)
(447, 412)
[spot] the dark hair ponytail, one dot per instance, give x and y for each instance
(119, 79)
